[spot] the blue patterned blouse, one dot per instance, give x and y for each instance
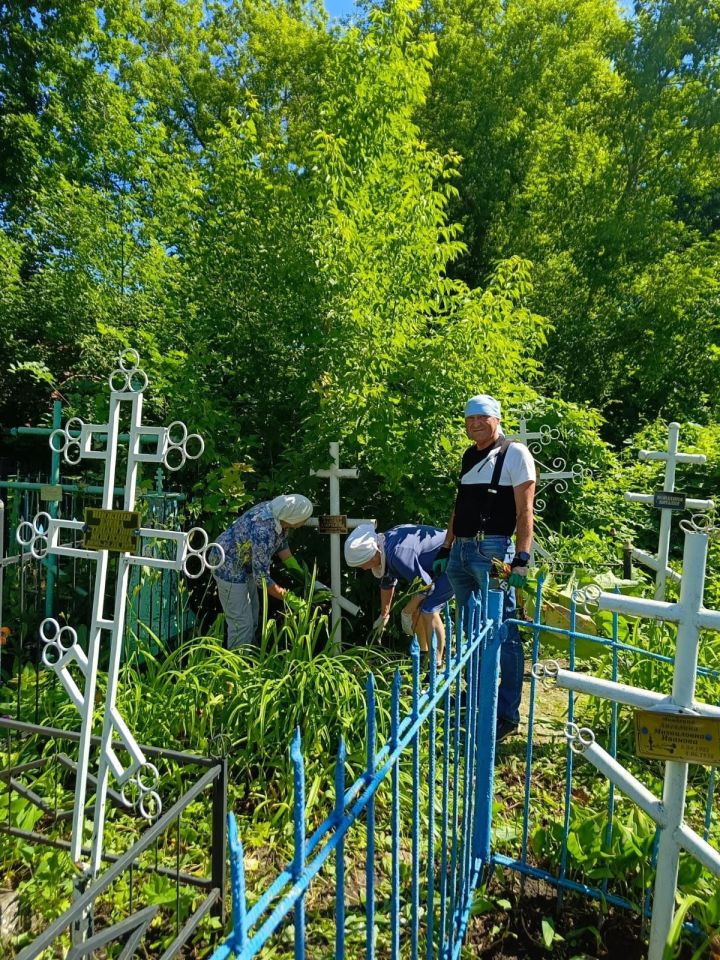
(250, 544)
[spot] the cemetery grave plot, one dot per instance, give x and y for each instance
(534, 927)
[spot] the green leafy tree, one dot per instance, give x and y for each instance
(245, 197)
(589, 147)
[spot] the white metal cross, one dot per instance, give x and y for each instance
(557, 474)
(691, 616)
(659, 563)
(335, 472)
(45, 535)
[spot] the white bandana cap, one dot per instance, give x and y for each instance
(361, 545)
(294, 508)
(379, 570)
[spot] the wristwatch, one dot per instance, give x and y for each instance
(521, 559)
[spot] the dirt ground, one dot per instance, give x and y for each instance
(530, 920)
(533, 927)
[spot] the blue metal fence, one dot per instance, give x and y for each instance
(423, 910)
(614, 654)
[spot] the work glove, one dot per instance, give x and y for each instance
(518, 574)
(441, 561)
(380, 623)
(295, 569)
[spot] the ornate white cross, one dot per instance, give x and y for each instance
(690, 616)
(44, 535)
(557, 474)
(659, 563)
(335, 473)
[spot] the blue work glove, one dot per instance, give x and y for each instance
(441, 561)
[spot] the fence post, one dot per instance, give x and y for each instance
(487, 718)
(219, 827)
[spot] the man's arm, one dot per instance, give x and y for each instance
(524, 499)
(449, 535)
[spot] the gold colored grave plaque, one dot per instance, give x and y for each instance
(677, 736)
(51, 491)
(332, 523)
(114, 530)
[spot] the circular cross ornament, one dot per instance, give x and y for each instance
(701, 523)
(58, 641)
(201, 555)
(588, 598)
(547, 435)
(34, 534)
(579, 738)
(182, 446)
(141, 792)
(128, 377)
(66, 440)
(546, 672)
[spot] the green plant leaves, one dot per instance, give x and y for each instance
(549, 935)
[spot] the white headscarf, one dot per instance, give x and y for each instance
(294, 508)
(362, 545)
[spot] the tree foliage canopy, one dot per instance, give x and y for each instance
(315, 231)
(590, 145)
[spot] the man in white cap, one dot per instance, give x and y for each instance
(405, 552)
(494, 499)
(249, 545)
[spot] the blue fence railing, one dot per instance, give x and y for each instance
(437, 823)
(423, 845)
(616, 659)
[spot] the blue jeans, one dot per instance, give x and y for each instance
(470, 562)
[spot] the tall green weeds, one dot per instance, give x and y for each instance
(248, 701)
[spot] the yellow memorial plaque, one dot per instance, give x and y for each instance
(51, 492)
(675, 736)
(114, 530)
(332, 523)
